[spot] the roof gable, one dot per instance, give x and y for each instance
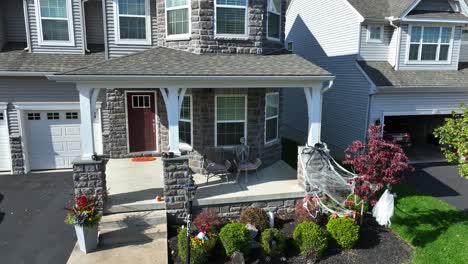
(381, 8)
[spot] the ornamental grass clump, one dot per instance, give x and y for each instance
(310, 238)
(256, 217)
(344, 230)
(200, 249)
(272, 242)
(84, 212)
(235, 237)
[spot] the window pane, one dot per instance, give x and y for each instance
(271, 132)
(274, 6)
(272, 102)
(232, 2)
(443, 52)
(230, 108)
(175, 3)
(53, 8)
(230, 20)
(431, 34)
(375, 32)
(428, 52)
(229, 133)
(414, 52)
(273, 25)
(132, 7)
(132, 28)
(415, 34)
(185, 111)
(55, 30)
(185, 132)
(177, 21)
(465, 35)
(446, 35)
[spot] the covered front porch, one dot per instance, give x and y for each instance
(229, 105)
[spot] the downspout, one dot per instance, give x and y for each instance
(83, 27)
(26, 24)
(397, 48)
(326, 88)
(104, 21)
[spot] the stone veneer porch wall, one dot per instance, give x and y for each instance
(115, 136)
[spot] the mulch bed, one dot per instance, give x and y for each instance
(376, 245)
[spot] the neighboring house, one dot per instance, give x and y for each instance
(129, 78)
(398, 63)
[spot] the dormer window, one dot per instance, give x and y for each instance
(132, 19)
(274, 19)
(375, 33)
(178, 18)
(430, 44)
(231, 18)
(55, 25)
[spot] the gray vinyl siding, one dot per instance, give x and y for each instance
(2, 30)
(117, 50)
(413, 102)
(454, 59)
(334, 25)
(94, 22)
(375, 51)
(78, 34)
(14, 21)
(464, 52)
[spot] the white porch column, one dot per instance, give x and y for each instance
(88, 98)
(314, 110)
(173, 98)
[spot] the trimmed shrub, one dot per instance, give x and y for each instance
(344, 230)
(256, 217)
(310, 237)
(199, 249)
(272, 242)
(235, 237)
(207, 219)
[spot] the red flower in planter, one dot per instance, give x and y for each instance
(81, 201)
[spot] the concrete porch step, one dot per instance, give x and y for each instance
(140, 206)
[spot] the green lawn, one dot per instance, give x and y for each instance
(438, 231)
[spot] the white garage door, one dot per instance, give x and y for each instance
(4, 143)
(53, 138)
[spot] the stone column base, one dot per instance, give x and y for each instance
(176, 175)
(89, 178)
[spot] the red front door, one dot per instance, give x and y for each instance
(141, 121)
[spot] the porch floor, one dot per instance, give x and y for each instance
(278, 181)
(133, 186)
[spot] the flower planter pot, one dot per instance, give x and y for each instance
(87, 237)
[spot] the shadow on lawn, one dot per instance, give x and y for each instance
(424, 226)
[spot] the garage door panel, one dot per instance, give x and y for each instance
(72, 131)
(74, 146)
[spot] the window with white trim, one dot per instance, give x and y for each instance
(465, 36)
(185, 121)
(34, 116)
(141, 101)
(274, 19)
(177, 17)
(231, 18)
(71, 115)
(375, 33)
(53, 116)
(231, 120)
(133, 21)
(2, 116)
(430, 44)
(271, 117)
(55, 22)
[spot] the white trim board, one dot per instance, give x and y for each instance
(70, 24)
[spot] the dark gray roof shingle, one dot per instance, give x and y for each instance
(435, 14)
(160, 61)
(15, 59)
(383, 75)
(380, 8)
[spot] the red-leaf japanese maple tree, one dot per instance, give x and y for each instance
(378, 163)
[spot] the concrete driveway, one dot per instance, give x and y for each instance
(442, 181)
(31, 218)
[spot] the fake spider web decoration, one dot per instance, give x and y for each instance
(331, 185)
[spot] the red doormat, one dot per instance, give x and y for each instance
(143, 159)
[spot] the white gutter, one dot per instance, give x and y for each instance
(26, 23)
(24, 74)
(398, 41)
(435, 20)
(184, 78)
(83, 27)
